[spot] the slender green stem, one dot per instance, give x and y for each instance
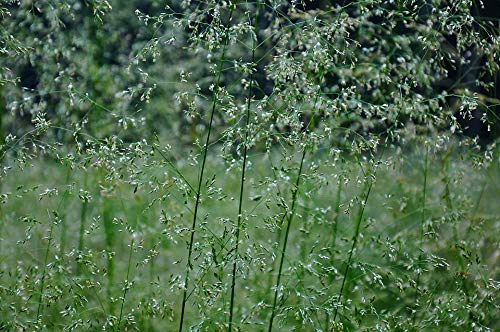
(47, 253)
(126, 286)
(64, 229)
(44, 273)
(3, 148)
(127, 283)
(422, 232)
(242, 181)
(285, 241)
(171, 164)
(293, 211)
(478, 201)
(337, 217)
(109, 233)
(465, 286)
(279, 233)
(359, 219)
(334, 240)
(200, 181)
(81, 236)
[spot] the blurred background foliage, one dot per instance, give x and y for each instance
(88, 65)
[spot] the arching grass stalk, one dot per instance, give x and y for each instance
(127, 284)
(44, 272)
(422, 232)
(242, 181)
(281, 221)
(359, 218)
(64, 229)
(469, 298)
(189, 265)
(292, 213)
(337, 217)
(285, 241)
(81, 235)
(109, 234)
(47, 253)
(334, 238)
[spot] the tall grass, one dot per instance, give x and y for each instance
(244, 165)
(247, 166)
(215, 97)
(420, 265)
(54, 218)
(285, 240)
(110, 238)
(358, 220)
(83, 221)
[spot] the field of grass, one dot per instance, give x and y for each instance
(249, 166)
(395, 244)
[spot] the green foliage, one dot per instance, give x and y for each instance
(267, 165)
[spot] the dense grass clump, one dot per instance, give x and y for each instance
(249, 166)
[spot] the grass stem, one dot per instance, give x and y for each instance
(47, 252)
(421, 240)
(81, 235)
(285, 241)
(200, 181)
(359, 219)
(127, 282)
(242, 180)
(109, 233)
(44, 273)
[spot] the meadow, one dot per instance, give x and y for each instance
(420, 239)
(249, 166)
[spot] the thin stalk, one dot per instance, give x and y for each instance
(359, 219)
(242, 181)
(109, 233)
(285, 241)
(200, 181)
(279, 233)
(171, 164)
(44, 273)
(64, 229)
(465, 286)
(292, 214)
(334, 240)
(46, 258)
(3, 148)
(81, 235)
(126, 286)
(478, 201)
(422, 232)
(336, 219)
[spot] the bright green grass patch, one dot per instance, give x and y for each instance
(80, 252)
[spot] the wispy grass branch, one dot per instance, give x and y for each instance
(243, 169)
(189, 265)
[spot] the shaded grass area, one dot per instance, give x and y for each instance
(77, 251)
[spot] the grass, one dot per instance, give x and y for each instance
(243, 168)
(376, 265)
(249, 166)
(215, 100)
